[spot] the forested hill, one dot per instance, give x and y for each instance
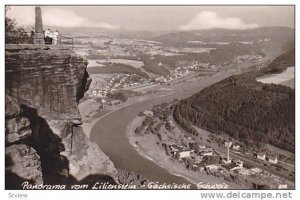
(280, 63)
(245, 109)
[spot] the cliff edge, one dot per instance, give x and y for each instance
(44, 140)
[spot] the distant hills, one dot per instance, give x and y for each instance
(245, 109)
(278, 34)
(226, 44)
(180, 37)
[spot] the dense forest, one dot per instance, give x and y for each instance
(244, 108)
(280, 63)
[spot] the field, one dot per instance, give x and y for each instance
(116, 68)
(134, 63)
(94, 63)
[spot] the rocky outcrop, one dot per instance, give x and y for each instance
(85, 157)
(42, 89)
(50, 80)
(24, 162)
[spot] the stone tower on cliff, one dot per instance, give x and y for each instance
(39, 35)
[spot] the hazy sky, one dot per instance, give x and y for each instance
(158, 17)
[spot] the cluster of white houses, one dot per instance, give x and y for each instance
(117, 83)
(247, 57)
(197, 156)
(270, 159)
(260, 156)
(198, 164)
(112, 85)
(234, 146)
(207, 159)
(180, 152)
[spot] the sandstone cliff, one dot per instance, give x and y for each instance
(44, 140)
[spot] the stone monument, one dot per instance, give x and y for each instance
(39, 35)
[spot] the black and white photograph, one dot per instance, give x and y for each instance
(149, 97)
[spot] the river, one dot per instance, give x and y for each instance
(110, 132)
(284, 78)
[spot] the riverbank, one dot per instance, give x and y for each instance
(147, 146)
(91, 115)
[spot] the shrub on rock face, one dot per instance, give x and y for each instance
(11, 28)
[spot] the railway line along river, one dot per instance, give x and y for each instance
(110, 132)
